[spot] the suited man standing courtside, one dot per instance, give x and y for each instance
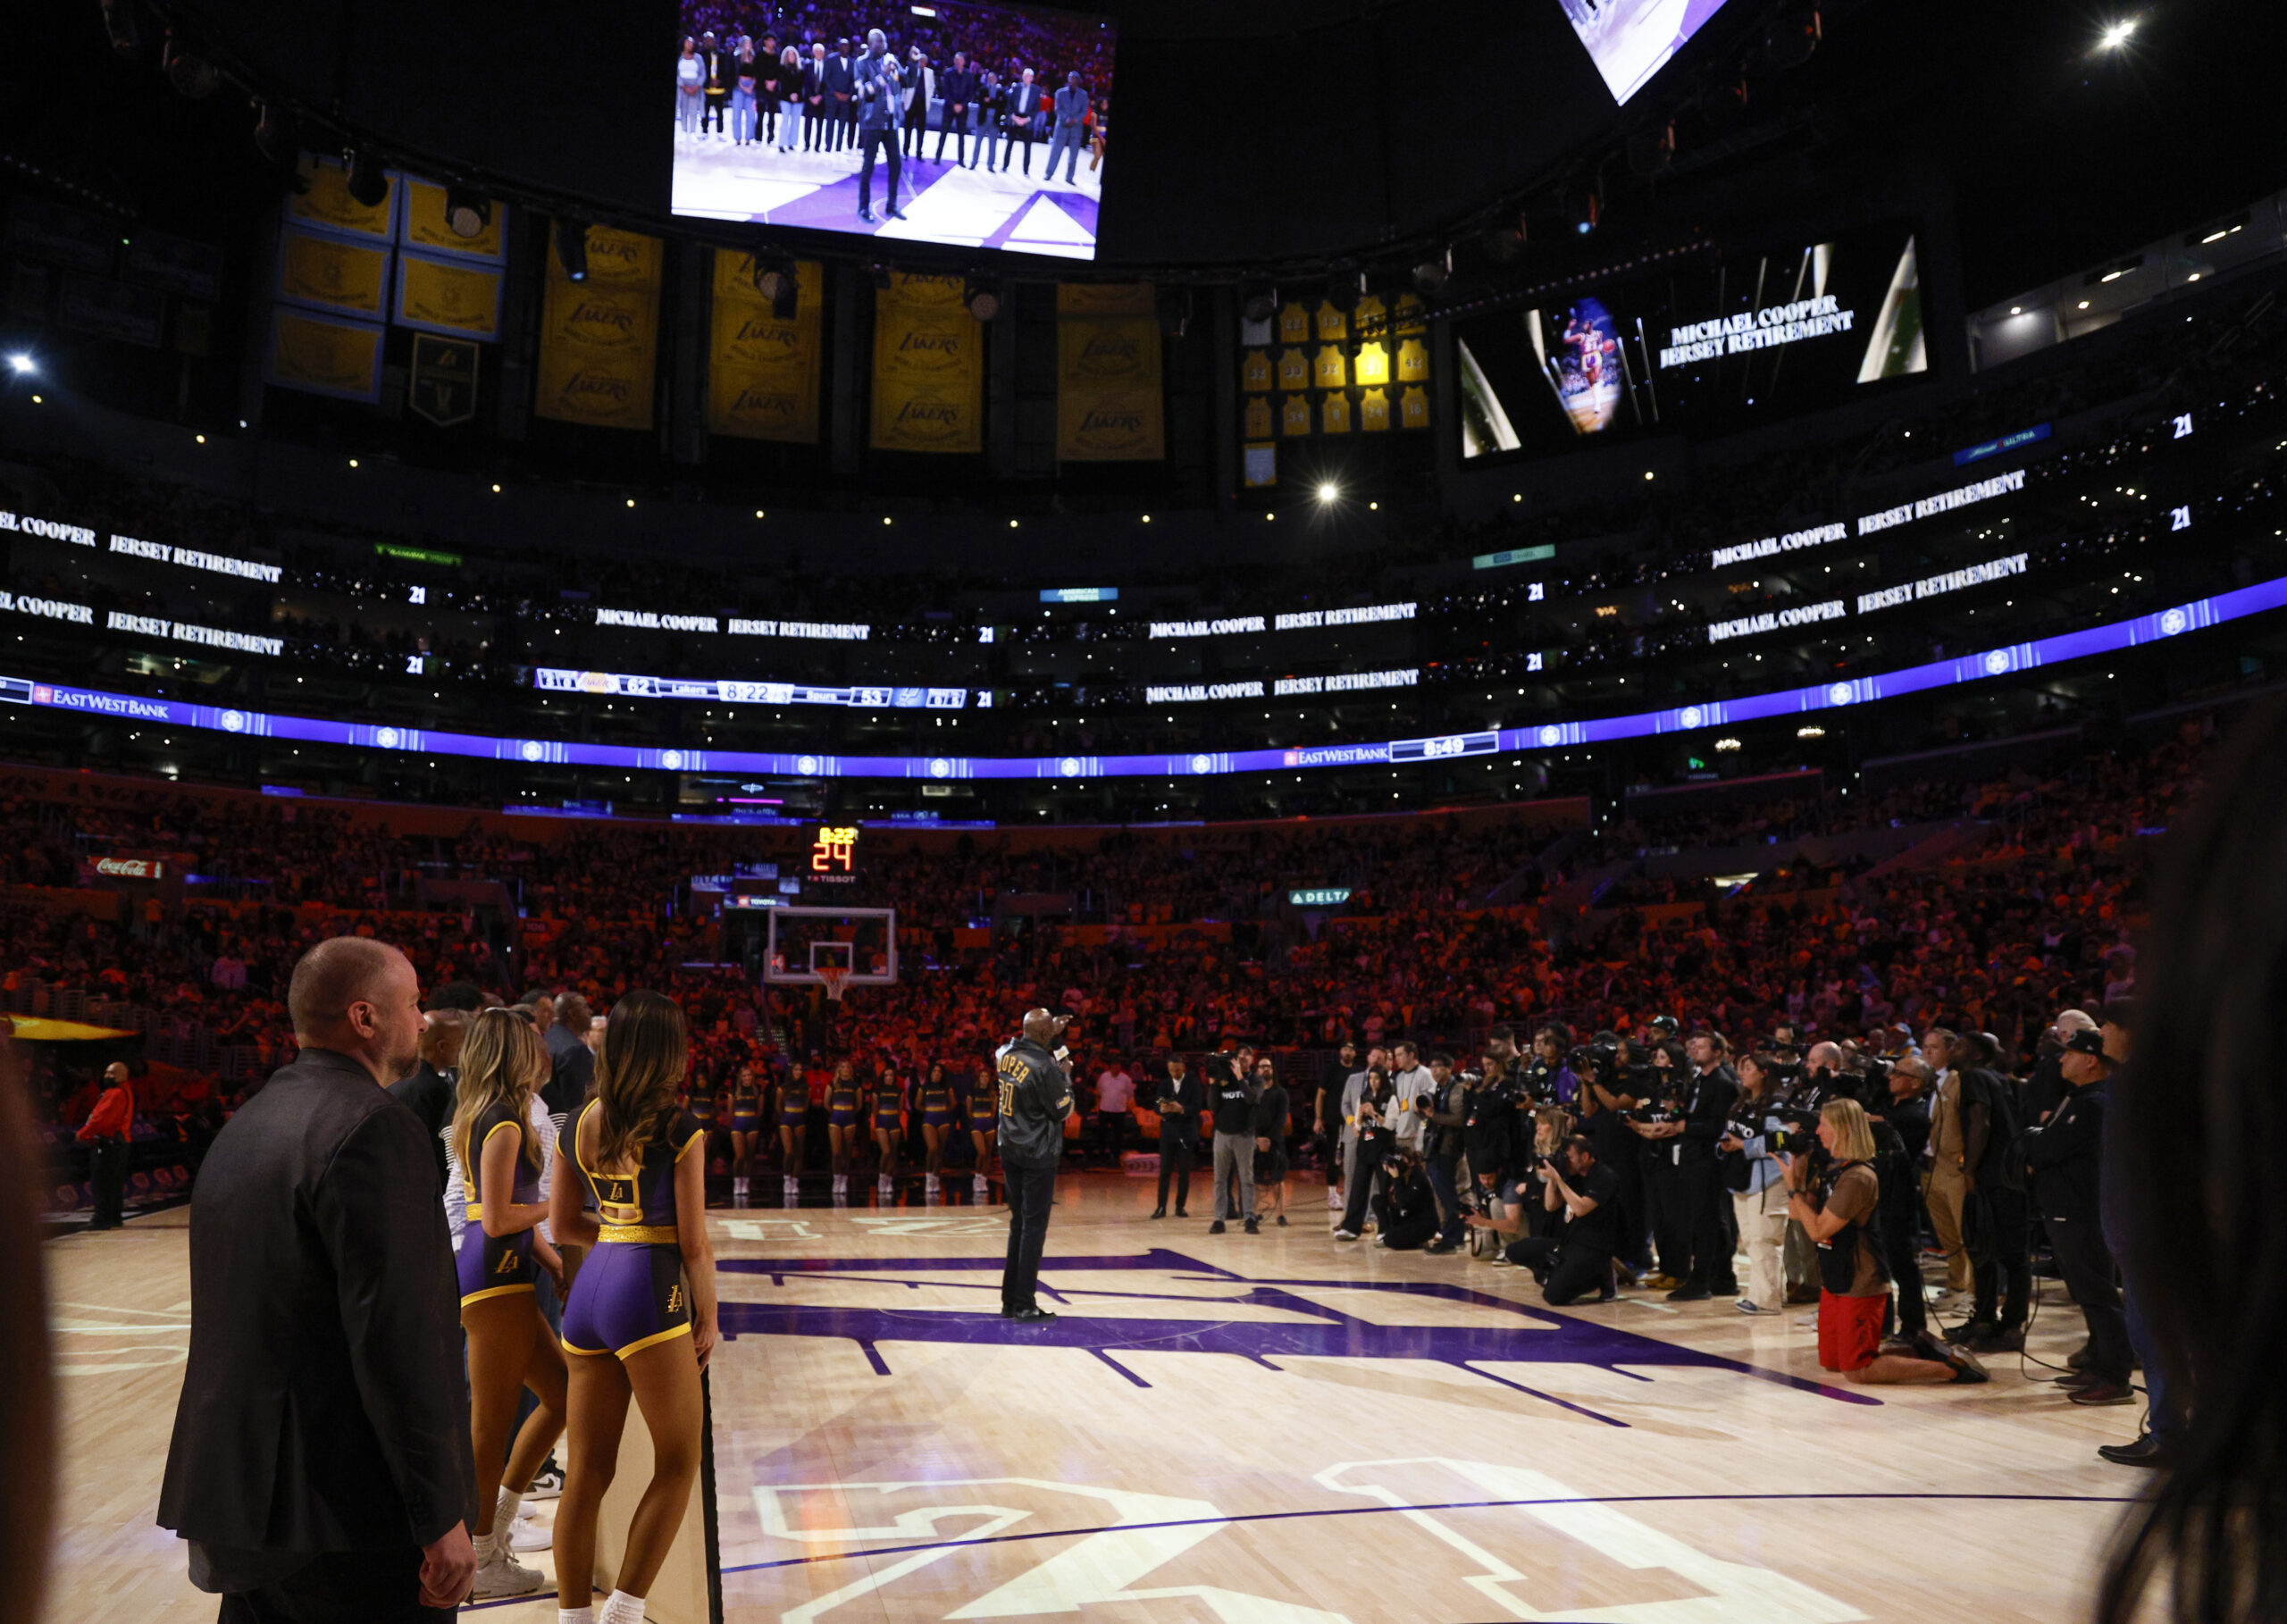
(319, 1467)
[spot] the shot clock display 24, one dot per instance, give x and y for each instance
(833, 854)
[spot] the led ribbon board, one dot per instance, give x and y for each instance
(2110, 637)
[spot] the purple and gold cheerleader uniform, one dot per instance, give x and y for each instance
(889, 1105)
(746, 1108)
(841, 1104)
(495, 1264)
(937, 1104)
(630, 1292)
(793, 1105)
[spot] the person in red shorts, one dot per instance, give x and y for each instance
(1839, 1210)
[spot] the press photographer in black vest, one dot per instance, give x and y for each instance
(1179, 1103)
(1036, 1098)
(1708, 1097)
(2066, 1153)
(1577, 1261)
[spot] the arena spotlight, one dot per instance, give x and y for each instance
(22, 364)
(1345, 285)
(188, 71)
(467, 210)
(983, 302)
(572, 250)
(2116, 34)
(369, 182)
(774, 279)
(123, 22)
(1431, 275)
(1259, 304)
(1329, 492)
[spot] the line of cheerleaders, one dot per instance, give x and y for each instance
(756, 1116)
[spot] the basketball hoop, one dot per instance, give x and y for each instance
(834, 979)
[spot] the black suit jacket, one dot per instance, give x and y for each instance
(429, 1095)
(1185, 1126)
(322, 1407)
(1709, 1116)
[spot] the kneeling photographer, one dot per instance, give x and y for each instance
(1405, 1208)
(1838, 1205)
(1577, 1261)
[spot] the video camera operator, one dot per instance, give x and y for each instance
(1576, 1261)
(1617, 1150)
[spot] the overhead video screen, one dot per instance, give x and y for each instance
(1630, 40)
(1703, 350)
(978, 126)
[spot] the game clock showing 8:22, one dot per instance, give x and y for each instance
(833, 854)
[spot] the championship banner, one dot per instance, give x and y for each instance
(928, 367)
(325, 357)
(326, 202)
(333, 272)
(1108, 400)
(600, 338)
(762, 377)
(425, 225)
(442, 295)
(442, 384)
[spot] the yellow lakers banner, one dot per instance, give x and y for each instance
(447, 296)
(325, 357)
(333, 271)
(928, 367)
(762, 380)
(1108, 402)
(600, 338)
(425, 226)
(325, 202)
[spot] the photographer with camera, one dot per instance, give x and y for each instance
(1996, 1218)
(1690, 1139)
(1414, 1087)
(1838, 1204)
(1660, 1106)
(1375, 1108)
(1547, 1078)
(1354, 1090)
(1489, 1132)
(1757, 1135)
(1577, 1260)
(1180, 1103)
(1405, 1208)
(1442, 1145)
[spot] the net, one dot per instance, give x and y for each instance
(835, 979)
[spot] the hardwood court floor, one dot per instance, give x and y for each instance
(1255, 1429)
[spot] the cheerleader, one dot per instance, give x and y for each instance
(746, 1128)
(841, 1114)
(793, 1127)
(509, 1347)
(889, 1120)
(983, 1119)
(702, 1105)
(640, 1321)
(936, 1118)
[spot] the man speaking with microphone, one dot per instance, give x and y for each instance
(1036, 1098)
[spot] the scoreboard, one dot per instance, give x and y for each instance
(833, 853)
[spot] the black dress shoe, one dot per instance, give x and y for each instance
(2146, 1450)
(1181, 1213)
(867, 216)
(1971, 1331)
(1690, 1293)
(1030, 1316)
(896, 213)
(1158, 1212)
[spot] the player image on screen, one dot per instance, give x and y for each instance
(1630, 40)
(968, 124)
(1585, 369)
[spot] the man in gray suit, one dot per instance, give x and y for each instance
(880, 108)
(1071, 130)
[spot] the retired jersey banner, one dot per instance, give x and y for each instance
(442, 384)
(928, 367)
(425, 226)
(1107, 401)
(325, 355)
(333, 272)
(447, 296)
(599, 339)
(762, 377)
(326, 202)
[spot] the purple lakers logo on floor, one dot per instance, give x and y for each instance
(1509, 1332)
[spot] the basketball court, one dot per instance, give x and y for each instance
(1227, 1428)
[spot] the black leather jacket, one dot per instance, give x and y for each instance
(1036, 1098)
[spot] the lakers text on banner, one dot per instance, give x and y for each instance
(762, 378)
(600, 338)
(449, 297)
(928, 367)
(1108, 400)
(325, 355)
(333, 272)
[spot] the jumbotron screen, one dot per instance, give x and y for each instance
(1703, 348)
(978, 126)
(1630, 40)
